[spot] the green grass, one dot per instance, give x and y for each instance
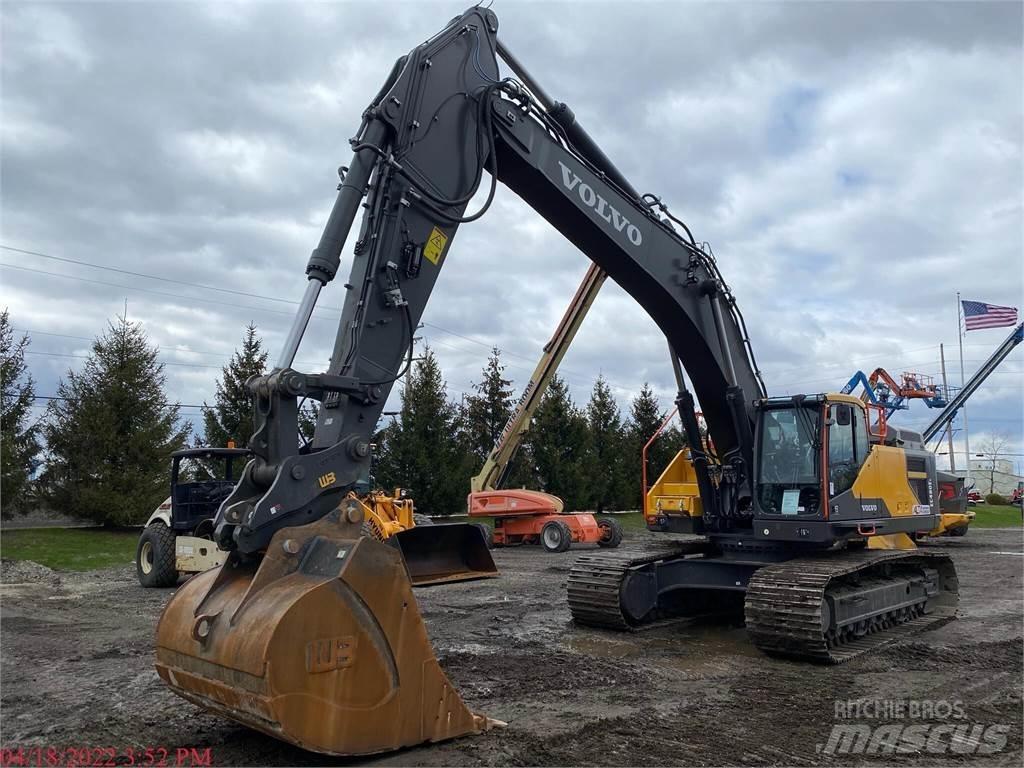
(70, 549)
(1002, 516)
(631, 521)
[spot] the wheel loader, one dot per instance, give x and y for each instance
(311, 633)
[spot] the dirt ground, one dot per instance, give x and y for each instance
(77, 670)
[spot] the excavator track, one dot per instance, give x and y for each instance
(785, 603)
(596, 581)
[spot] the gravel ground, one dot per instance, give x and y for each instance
(77, 671)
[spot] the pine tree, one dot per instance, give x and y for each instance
(606, 462)
(558, 447)
(231, 417)
(646, 415)
(308, 414)
(420, 450)
(110, 435)
(487, 412)
(19, 437)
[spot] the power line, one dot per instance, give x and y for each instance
(200, 286)
(146, 290)
(179, 347)
(223, 304)
(67, 260)
(91, 339)
(566, 372)
(86, 357)
(59, 397)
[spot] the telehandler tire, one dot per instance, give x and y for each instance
(155, 556)
(611, 533)
(555, 536)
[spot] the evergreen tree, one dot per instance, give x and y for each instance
(19, 438)
(110, 435)
(420, 450)
(558, 447)
(606, 461)
(308, 414)
(646, 415)
(487, 412)
(231, 417)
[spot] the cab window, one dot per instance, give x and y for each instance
(842, 459)
(860, 438)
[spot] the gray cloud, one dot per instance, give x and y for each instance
(853, 165)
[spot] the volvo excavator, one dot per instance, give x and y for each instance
(310, 632)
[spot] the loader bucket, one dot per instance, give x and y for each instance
(319, 643)
(439, 554)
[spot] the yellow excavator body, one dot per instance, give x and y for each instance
(953, 524)
(319, 642)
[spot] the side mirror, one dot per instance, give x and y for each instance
(844, 415)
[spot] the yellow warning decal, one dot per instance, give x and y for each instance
(435, 245)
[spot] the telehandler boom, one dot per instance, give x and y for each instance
(311, 633)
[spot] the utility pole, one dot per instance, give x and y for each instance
(949, 427)
(963, 383)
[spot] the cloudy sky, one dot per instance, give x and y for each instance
(854, 165)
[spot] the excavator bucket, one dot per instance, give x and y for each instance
(439, 554)
(319, 643)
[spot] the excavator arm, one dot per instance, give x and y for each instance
(443, 118)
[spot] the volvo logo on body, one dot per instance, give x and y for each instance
(601, 206)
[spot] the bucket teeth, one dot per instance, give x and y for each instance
(319, 643)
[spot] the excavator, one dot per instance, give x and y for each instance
(310, 632)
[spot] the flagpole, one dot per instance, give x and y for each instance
(963, 383)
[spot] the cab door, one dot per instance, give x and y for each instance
(849, 464)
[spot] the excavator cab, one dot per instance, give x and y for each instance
(826, 469)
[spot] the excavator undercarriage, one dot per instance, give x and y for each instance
(824, 609)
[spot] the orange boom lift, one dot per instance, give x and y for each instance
(532, 517)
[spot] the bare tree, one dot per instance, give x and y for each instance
(993, 446)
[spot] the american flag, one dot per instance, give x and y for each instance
(978, 315)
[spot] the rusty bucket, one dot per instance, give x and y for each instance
(320, 643)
